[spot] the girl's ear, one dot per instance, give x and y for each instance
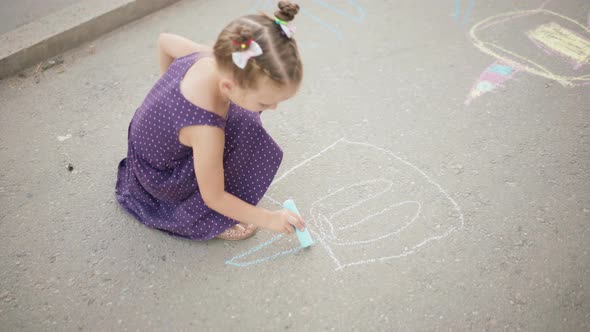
(227, 86)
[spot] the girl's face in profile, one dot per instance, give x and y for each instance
(266, 96)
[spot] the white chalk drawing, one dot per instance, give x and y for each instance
(363, 204)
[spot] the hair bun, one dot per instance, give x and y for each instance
(287, 10)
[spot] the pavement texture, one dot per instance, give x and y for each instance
(62, 30)
(428, 214)
(18, 13)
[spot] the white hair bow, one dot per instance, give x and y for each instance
(241, 58)
(287, 27)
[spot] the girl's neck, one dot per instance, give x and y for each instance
(216, 82)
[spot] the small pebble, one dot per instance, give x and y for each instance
(53, 62)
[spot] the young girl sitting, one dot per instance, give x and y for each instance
(199, 160)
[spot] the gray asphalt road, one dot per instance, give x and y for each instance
(428, 214)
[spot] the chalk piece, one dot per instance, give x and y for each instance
(303, 236)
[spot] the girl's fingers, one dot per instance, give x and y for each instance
(297, 221)
(300, 225)
(289, 228)
(294, 222)
(303, 225)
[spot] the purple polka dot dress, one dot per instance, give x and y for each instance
(156, 183)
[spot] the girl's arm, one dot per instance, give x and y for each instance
(172, 46)
(208, 144)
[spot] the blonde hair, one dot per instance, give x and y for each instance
(280, 60)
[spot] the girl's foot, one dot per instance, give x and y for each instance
(238, 232)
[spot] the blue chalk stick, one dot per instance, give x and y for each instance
(303, 236)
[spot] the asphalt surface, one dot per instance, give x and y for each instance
(428, 214)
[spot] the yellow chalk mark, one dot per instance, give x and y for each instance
(527, 64)
(563, 41)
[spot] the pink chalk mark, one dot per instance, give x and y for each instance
(491, 77)
(578, 65)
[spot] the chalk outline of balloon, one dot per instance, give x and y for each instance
(527, 65)
(324, 221)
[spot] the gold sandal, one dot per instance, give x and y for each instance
(243, 231)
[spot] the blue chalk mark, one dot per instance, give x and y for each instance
(264, 259)
(359, 9)
(324, 24)
(304, 240)
(254, 8)
(457, 8)
(468, 11)
(501, 69)
(359, 17)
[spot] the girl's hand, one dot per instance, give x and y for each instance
(282, 221)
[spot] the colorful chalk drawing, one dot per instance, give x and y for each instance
(357, 15)
(383, 207)
(490, 79)
(564, 45)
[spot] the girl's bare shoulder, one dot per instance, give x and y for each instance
(201, 89)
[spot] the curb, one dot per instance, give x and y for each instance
(68, 28)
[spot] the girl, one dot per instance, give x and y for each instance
(198, 157)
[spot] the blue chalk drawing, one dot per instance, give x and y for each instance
(321, 22)
(457, 8)
(259, 247)
(356, 17)
(359, 18)
(457, 14)
(468, 12)
(501, 69)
